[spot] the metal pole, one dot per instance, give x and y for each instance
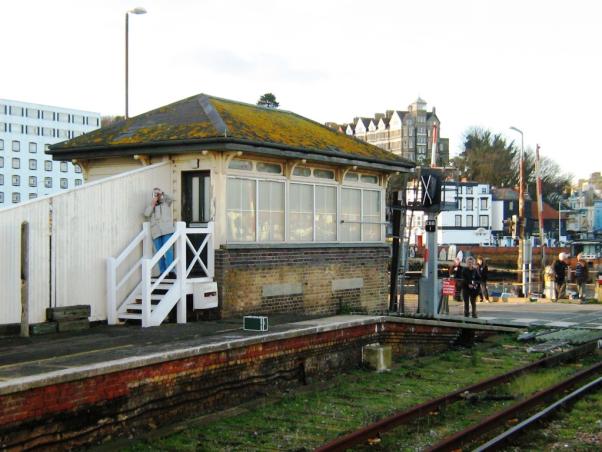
(521, 214)
(397, 231)
(540, 219)
(126, 63)
(25, 279)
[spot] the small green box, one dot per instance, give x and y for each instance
(255, 323)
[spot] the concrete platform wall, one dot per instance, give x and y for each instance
(132, 397)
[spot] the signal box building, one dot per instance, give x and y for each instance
(295, 210)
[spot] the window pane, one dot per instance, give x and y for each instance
(16, 163)
(1, 143)
(484, 221)
(469, 222)
(48, 165)
(47, 115)
(326, 213)
(64, 167)
(16, 146)
(301, 212)
(16, 180)
(32, 113)
(33, 164)
(1, 179)
(16, 197)
(239, 164)
(1, 162)
(458, 220)
(271, 168)
(33, 148)
(33, 181)
(48, 182)
(323, 174)
(240, 210)
(368, 179)
(271, 211)
(350, 215)
(371, 214)
(302, 171)
(352, 177)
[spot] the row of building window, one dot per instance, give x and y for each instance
(39, 131)
(33, 165)
(484, 203)
(33, 181)
(16, 197)
(483, 221)
(469, 190)
(48, 115)
(279, 211)
(16, 146)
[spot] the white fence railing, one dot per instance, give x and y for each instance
(71, 235)
(137, 303)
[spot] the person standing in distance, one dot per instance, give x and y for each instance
(484, 273)
(581, 275)
(160, 217)
(471, 287)
(560, 271)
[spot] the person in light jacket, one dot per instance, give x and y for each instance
(160, 217)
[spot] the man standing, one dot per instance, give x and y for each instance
(161, 225)
(581, 275)
(560, 271)
(470, 287)
(484, 274)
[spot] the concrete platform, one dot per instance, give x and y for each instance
(27, 363)
(528, 314)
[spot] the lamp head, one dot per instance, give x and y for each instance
(516, 129)
(137, 10)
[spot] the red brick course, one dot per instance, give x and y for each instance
(89, 410)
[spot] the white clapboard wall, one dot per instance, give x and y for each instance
(71, 235)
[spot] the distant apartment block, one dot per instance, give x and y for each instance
(406, 133)
(26, 131)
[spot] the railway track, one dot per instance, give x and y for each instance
(372, 433)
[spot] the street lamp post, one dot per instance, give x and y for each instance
(127, 20)
(521, 210)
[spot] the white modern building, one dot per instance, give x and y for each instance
(26, 131)
(475, 220)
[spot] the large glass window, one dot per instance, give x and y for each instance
(301, 212)
(371, 215)
(270, 207)
(326, 213)
(240, 210)
(351, 215)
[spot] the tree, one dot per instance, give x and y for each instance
(487, 158)
(108, 120)
(268, 100)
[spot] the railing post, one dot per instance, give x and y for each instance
(111, 291)
(210, 252)
(147, 241)
(180, 247)
(146, 293)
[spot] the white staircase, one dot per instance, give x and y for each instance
(140, 296)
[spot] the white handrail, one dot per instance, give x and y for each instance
(131, 247)
(166, 246)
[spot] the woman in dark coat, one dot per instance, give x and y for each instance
(484, 273)
(470, 287)
(455, 272)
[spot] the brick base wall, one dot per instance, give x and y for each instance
(300, 280)
(78, 413)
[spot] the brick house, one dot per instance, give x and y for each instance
(297, 209)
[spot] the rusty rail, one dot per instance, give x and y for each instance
(457, 440)
(517, 429)
(373, 430)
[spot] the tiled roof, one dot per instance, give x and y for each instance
(208, 119)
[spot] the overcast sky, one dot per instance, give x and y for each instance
(533, 64)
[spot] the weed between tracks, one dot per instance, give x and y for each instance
(306, 418)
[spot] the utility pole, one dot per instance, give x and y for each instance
(521, 212)
(540, 219)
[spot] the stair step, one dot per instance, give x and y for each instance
(136, 307)
(130, 316)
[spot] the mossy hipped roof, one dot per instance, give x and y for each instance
(204, 119)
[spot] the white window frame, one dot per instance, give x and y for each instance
(362, 186)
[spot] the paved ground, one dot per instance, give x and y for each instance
(558, 315)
